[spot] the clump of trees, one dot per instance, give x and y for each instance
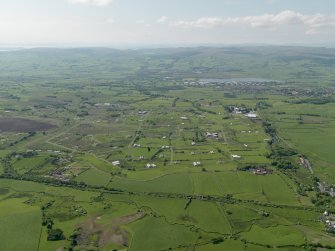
(280, 153)
(281, 156)
(55, 235)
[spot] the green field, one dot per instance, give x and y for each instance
(20, 225)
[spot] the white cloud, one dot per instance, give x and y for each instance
(287, 17)
(162, 19)
(93, 2)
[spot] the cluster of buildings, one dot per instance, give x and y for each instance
(60, 174)
(103, 104)
(329, 220)
(238, 110)
(230, 82)
(242, 110)
(106, 104)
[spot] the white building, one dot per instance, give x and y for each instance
(148, 165)
(251, 115)
(116, 163)
(196, 163)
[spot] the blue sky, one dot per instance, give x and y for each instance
(165, 22)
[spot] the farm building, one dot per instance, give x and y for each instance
(251, 115)
(148, 165)
(116, 163)
(196, 163)
(234, 156)
(260, 171)
(214, 135)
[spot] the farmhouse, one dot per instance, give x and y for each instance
(238, 110)
(103, 104)
(234, 156)
(136, 145)
(251, 115)
(116, 163)
(196, 163)
(148, 165)
(184, 118)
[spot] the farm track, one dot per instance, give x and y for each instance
(138, 129)
(309, 166)
(225, 216)
(39, 240)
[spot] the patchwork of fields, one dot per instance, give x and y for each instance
(113, 160)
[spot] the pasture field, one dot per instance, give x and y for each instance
(21, 219)
(93, 177)
(167, 149)
(275, 236)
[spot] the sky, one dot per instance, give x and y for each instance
(136, 23)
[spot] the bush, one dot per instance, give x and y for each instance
(55, 235)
